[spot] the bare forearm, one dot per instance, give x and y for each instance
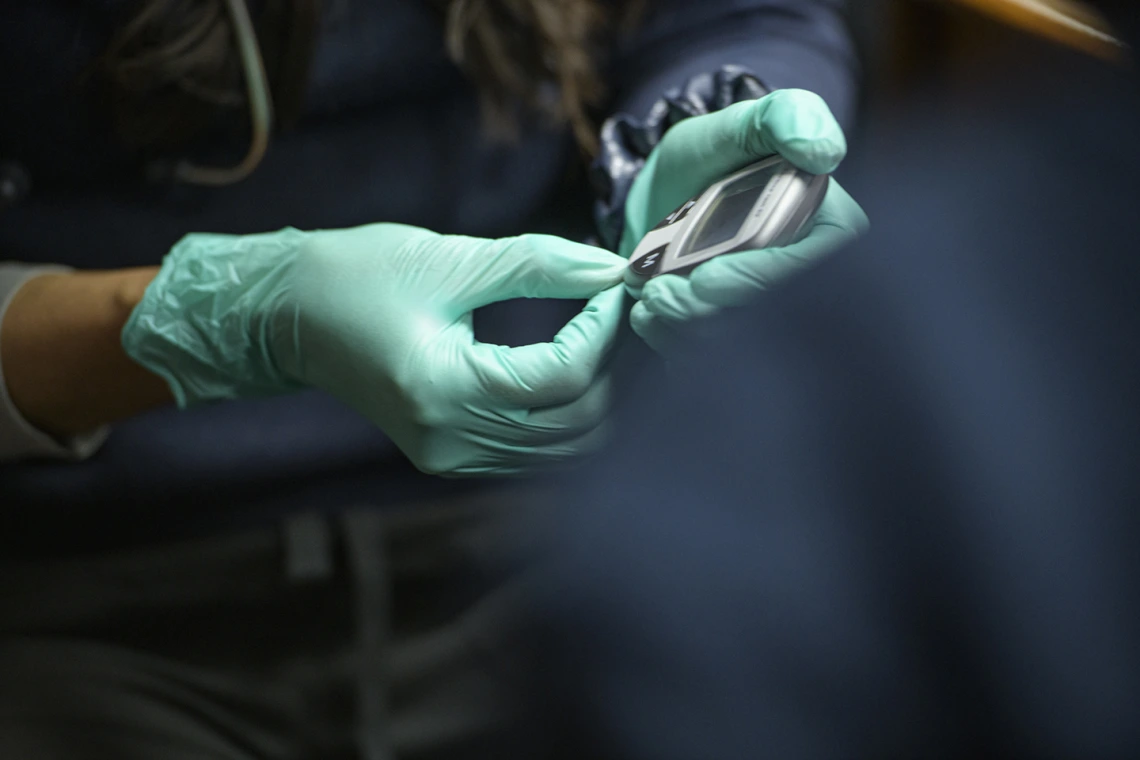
(64, 365)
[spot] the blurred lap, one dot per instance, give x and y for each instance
(372, 637)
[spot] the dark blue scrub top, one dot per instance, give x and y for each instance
(391, 133)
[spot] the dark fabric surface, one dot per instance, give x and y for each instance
(391, 134)
(361, 638)
(892, 510)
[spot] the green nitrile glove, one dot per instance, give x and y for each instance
(701, 150)
(380, 316)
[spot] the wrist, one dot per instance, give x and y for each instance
(128, 290)
(205, 323)
(63, 366)
(22, 349)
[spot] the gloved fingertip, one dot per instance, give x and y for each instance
(639, 317)
(799, 125)
(722, 287)
(671, 298)
(574, 255)
(816, 155)
(661, 288)
(600, 274)
(609, 304)
(614, 296)
(548, 266)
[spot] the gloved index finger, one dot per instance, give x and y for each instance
(537, 266)
(558, 372)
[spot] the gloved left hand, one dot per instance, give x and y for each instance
(381, 317)
(701, 150)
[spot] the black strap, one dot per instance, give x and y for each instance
(308, 548)
(364, 537)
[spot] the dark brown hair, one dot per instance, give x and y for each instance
(174, 69)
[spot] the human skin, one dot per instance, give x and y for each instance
(60, 348)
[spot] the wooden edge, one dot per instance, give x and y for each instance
(1067, 23)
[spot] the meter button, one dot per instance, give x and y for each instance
(677, 215)
(648, 264)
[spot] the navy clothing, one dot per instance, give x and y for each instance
(390, 134)
(894, 509)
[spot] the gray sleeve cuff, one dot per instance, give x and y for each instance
(18, 438)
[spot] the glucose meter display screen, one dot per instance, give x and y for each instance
(728, 211)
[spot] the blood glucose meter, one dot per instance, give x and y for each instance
(765, 205)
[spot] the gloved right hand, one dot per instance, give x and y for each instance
(700, 150)
(380, 316)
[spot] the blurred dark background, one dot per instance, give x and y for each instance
(909, 46)
(915, 535)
